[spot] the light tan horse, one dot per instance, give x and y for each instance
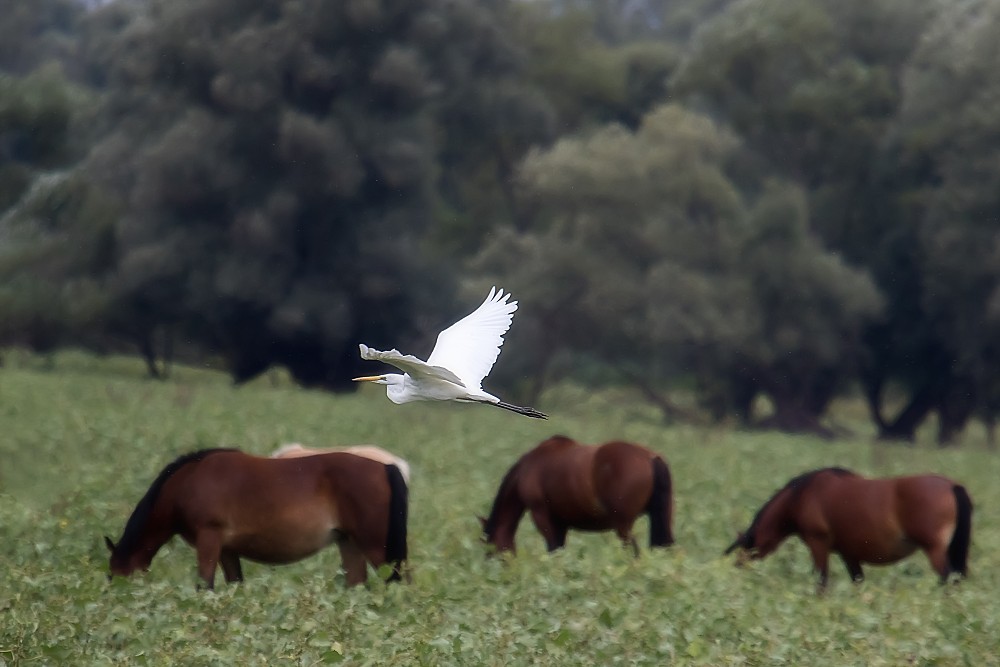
(295, 450)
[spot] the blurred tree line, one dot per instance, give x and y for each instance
(754, 198)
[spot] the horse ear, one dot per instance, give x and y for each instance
(109, 544)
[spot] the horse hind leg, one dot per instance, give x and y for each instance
(375, 554)
(854, 569)
(625, 534)
(938, 557)
(231, 567)
(353, 559)
(357, 550)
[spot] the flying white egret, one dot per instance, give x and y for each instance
(463, 355)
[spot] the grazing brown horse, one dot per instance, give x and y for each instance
(876, 521)
(295, 450)
(566, 485)
(230, 505)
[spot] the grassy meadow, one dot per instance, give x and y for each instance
(82, 438)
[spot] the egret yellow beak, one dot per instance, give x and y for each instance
(369, 378)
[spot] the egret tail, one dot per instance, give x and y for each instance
(527, 412)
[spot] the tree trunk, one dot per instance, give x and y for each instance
(168, 351)
(955, 409)
(801, 396)
(726, 392)
(148, 351)
(743, 391)
(872, 386)
(990, 422)
(668, 409)
(793, 415)
(904, 427)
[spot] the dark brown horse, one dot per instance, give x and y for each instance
(230, 505)
(876, 521)
(568, 485)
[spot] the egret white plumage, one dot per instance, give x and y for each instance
(462, 356)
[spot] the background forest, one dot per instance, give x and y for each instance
(730, 199)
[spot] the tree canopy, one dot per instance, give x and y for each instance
(753, 198)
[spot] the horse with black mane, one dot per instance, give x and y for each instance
(230, 505)
(565, 484)
(877, 521)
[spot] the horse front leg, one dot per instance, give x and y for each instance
(820, 551)
(231, 567)
(552, 531)
(854, 569)
(208, 545)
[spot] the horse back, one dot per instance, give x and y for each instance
(356, 486)
(881, 520)
(839, 504)
(240, 492)
(557, 476)
(847, 500)
(587, 486)
(373, 452)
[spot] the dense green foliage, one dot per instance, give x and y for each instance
(684, 275)
(754, 198)
(82, 442)
(280, 165)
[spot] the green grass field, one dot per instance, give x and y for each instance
(80, 441)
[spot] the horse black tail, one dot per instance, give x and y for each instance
(958, 548)
(399, 501)
(661, 506)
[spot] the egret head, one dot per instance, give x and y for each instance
(395, 389)
(377, 379)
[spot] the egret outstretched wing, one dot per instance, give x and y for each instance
(463, 355)
(471, 346)
(410, 364)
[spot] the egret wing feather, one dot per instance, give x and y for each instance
(471, 346)
(410, 364)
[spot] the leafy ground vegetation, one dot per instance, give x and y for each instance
(82, 439)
